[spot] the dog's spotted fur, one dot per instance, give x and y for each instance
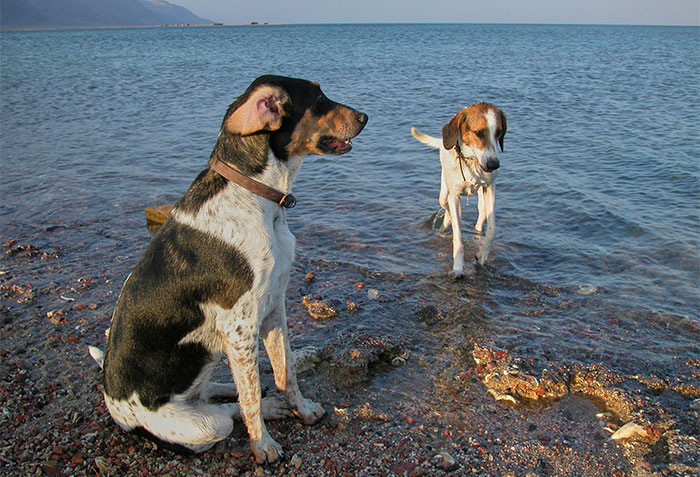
(213, 280)
(469, 159)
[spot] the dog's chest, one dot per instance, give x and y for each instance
(257, 229)
(272, 263)
(462, 179)
(267, 245)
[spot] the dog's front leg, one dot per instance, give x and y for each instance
(243, 358)
(276, 340)
(455, 211)
(479, 226)
(444, 194)
(489, 205)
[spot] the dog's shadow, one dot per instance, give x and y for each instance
(435, 223)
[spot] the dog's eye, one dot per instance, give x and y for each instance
(479, 134)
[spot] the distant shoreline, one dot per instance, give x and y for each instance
(105, 27)
(252, 24)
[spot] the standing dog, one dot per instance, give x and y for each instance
(213, 279)
(469, 160)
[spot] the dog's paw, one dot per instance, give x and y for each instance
(309, 412)
(481, 259)
(455, 274)
(275, 407)
(267, 451)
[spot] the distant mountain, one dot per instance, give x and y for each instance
(87, 13)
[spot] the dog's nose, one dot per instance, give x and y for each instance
(361, 117)
(492, 165)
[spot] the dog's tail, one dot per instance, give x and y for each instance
(98, 355)
(431, 141)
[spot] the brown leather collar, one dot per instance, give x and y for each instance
(234, 175)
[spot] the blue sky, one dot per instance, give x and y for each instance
(633, 12)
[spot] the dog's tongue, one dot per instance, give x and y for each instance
(341, 145)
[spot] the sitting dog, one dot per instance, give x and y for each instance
(213, 279)
(469, 160)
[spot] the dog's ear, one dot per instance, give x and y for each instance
(505, 128)
(452, 130)
(262, 110)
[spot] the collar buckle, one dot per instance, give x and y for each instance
(288, 201)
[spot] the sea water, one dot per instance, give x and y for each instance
(597, 201)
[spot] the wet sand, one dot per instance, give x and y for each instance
(408, 390)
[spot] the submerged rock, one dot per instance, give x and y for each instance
(305, 358)
(317, 309)
(355, 359)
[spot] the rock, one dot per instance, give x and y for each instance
(97, 354)
(305, 358)
(628, 430)
(317, 309)
(368, 413)
(445, 461)
(400, 359)
(156, 215)
(354, 360)
(57, 317)
(509, 378)
(502, 397)
(695, 404)
(429, 314)
(587, 290)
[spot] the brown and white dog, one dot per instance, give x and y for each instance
(212, 280)
(469, 159)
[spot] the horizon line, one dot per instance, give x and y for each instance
(264, 24)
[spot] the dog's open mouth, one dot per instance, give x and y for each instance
(333, 145)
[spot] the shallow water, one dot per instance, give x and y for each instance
(596, 256)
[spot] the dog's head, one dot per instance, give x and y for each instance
(477, 129)
(298, 117)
